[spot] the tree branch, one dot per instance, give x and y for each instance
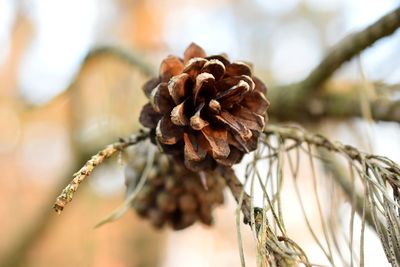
(237, 190)
(293, 100)
(342, 179)
(385, 172)
(332, 103)
(349, 47)
(289, 102)
(132, 59)
(67, 194)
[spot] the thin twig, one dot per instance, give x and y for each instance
(306, 100)
(67, 194)
(236, 188)
(389, 169)
(131, 58)
(244, 200)
(376, 206)
(122, 209)
(345, 183)
(300, 135)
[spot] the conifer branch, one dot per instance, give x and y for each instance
(349, 47)
(131, 58)
(330, 104)
(237, 190)
(67, 194)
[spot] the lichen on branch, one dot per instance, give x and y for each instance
(67, 194)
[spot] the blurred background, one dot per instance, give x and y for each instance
(46, 132)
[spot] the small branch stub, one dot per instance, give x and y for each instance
(67, 194)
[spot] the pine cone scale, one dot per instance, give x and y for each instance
(235, 156)
(193, 51)
(233, 95)
(149, 117)
(171, 66)
(214, 106)
(196, 122)
(194, 66)
(238, 68)
(234, 125)
(221, 57)
(150, 85)
(204, 87)
(234, 143)
(215, 67)
(260, 86)
(161, 99)
(167, 132)
(195, 147)
(177, 87)
(249, 119)
(217, 141)
(178, 116)
(256, 102)
(229, 82)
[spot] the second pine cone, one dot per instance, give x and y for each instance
(172, 195)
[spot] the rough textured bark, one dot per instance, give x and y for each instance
(330, 103)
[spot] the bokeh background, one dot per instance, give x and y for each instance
(46, 132)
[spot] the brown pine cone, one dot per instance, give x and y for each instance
(205, 110)
(172, 194)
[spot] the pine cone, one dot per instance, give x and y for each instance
(172, 194)
(205, 110)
